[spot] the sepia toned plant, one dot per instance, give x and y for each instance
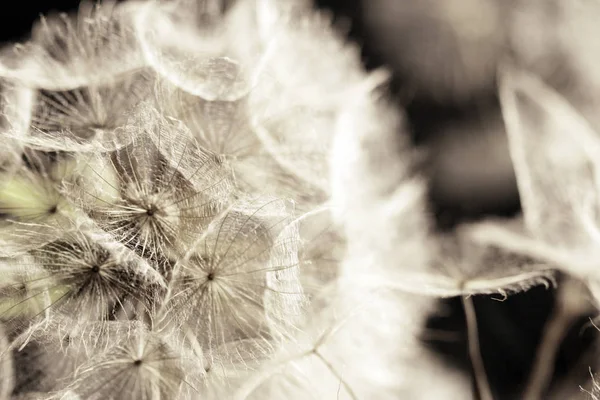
(212, 199)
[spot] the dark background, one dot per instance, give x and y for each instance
(456, 134)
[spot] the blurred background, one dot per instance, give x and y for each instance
(443, 54)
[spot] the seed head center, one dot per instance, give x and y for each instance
(151, 210)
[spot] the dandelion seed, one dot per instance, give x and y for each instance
(299, 140)
(67, 52)
(95, 181)
(143, 366)
(32, 207)
(458, 266)
(224, 128)
(322, 249)
(86, 276)
(49, 353)
(30, 197)
(157, 211)
(157, 193)
(553, 179)
(231, 365)
(87, 118)
(554, 151)
(171, 45)
(299, 135)
(465, 268)
(296, 71)
(205, 170)
(232, 285)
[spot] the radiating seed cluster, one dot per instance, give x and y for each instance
(153, 196)
(211, 199)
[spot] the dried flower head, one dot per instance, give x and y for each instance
(169, 228)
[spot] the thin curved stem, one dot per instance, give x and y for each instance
(481, 380)
(569, 307)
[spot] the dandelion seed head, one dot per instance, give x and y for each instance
(165, 226)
